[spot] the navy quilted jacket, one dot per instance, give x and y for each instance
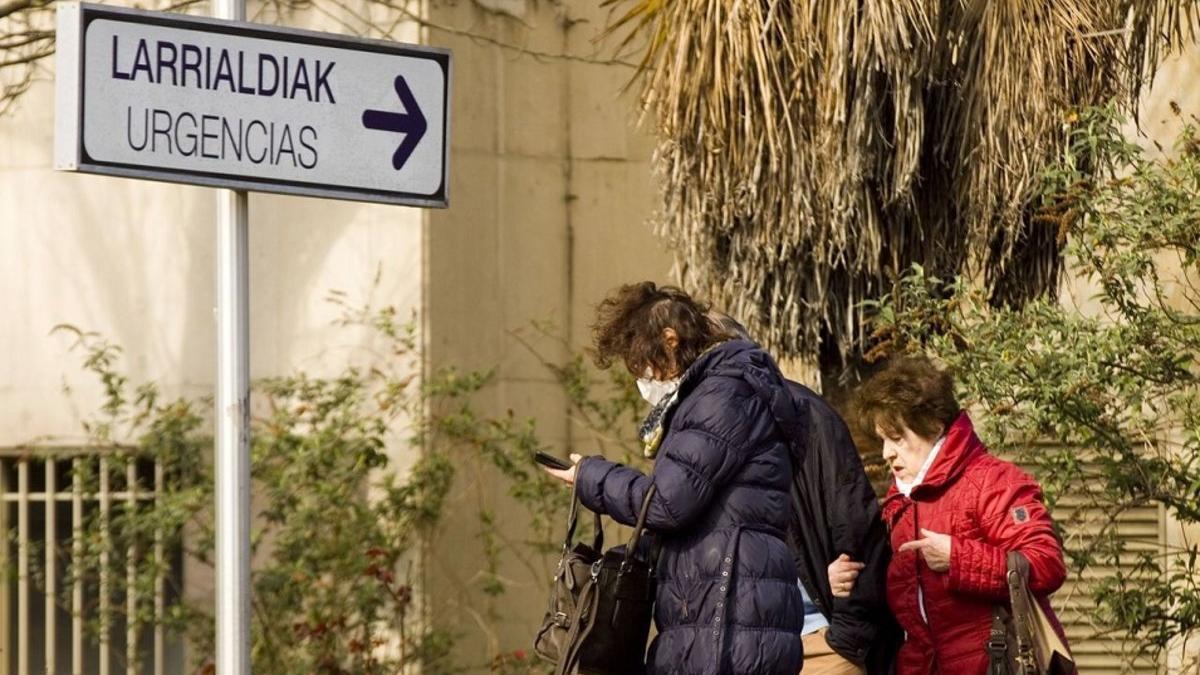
(727, 603)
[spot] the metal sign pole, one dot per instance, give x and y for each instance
(233, 418)
(233, 436)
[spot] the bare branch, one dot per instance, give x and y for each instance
(486, 39)
(23, 39)
(25, 47)
(28, 58)
(14, 6)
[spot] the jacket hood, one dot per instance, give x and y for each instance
(716, 356)
(745, 360)
(960, 447)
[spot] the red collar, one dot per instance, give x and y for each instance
(960, 447)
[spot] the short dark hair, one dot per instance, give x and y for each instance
(909, 392)
(631, 320)
(729, 324)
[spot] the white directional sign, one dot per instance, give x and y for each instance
(246, 106)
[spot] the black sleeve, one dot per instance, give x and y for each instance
(852, 515)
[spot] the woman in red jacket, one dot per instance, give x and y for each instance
(954, 512)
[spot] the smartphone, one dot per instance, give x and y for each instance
(550, 461)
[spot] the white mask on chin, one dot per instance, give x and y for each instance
(654, 391)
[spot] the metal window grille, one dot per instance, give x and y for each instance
(51, 622)
(1097, 648)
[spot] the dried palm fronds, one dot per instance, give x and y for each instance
(811, 151)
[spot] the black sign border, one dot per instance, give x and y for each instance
(90, 13)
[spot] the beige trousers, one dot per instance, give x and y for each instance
(820, 659)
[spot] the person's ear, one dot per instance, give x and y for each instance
(671, 339)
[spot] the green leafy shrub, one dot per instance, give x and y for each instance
(338, 530)
(1100, 394)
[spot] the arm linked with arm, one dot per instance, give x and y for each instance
(857, 529)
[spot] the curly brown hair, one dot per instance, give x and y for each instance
(909, 392)
(630, 323)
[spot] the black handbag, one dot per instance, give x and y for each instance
(1023, 641)
(601, 604)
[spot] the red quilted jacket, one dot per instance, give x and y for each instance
(988, 507)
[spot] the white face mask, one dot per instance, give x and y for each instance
(654, 391)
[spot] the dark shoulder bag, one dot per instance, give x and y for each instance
(600, 604)
(1023, 641)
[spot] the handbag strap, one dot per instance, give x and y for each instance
(1022, 612)
(997, 644)
(639, 529)
(573, 522)
(582, 619)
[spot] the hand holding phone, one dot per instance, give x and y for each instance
(551, 461)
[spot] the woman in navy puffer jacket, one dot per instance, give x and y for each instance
(727, 598)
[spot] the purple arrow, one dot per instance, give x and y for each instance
(411, 123)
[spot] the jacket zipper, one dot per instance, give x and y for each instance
(917, 564)
(933, 661)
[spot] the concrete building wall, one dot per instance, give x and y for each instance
(552, 191)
